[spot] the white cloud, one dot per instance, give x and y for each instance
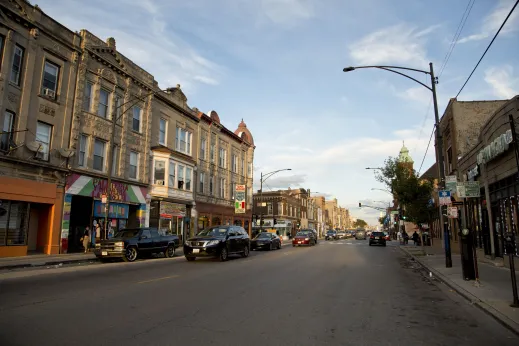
(398, 44)
(493, 21)
(502, 81)
(287, 12)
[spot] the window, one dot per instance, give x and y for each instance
(203, 143)
(269, 208)
(212, 152)
(242, 166)
(16, 68)
(222, 188)
(99, 154)
(87, 101)
(102, 109)
(162, 131)
(14, 222)
(223, 155)
(211, 185)
(160, 172)
(136, 122)
(50, 79)
(183, 141)
(118, 108)
(188, 178)
(280, 208)
(180, 177)
(83, 150)
(115, 160)
(7, 130)
(134, 162)
(234, 163)
(171, 176)
(43, 134)
(249, 169)
(201, 182)
(233, 188)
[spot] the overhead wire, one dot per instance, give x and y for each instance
(488, 47)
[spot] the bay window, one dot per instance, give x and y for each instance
(188, 178)
(160, 172)
(180, 178)
(171, 179)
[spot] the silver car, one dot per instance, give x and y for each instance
(360, 235)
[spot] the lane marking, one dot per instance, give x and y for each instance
(158, 279)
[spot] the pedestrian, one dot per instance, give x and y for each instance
(405, 236)
(415, 237)
(399, 237)
(86, 239)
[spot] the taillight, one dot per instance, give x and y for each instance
(372, 237)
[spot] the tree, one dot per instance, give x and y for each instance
(381, 220)
(360, 223)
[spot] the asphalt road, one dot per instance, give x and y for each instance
(336, 293)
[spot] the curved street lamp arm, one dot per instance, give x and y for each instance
(406, 76)
(268, 175)
(387, 66)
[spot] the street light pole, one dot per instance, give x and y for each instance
(116, 118)
(267, 175)
(439, 138)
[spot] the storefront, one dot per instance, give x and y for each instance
(84, 207)
(171, 217)
(30, 213)
(213, 214)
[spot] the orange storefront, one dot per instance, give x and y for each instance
(30, 217)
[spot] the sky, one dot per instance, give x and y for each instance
(277, 64)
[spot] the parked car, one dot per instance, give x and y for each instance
(386, 234)
(360, 235)
(218, 241)
(302, 238)
(342, 235)
(378, 238)
(311, 230)
(129, 244)
(265, 241)
(331, 235)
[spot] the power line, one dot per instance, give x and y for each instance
(426, 150)
(489, 45)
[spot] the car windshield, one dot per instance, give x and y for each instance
(213, 232)
(378, 234)
(303, 233)
(331, 232)
(264, 235)
(127, 233)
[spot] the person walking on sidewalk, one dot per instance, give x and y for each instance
(415, 237)
(86, 239)
(405, 236)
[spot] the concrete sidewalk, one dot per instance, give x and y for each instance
(493, 294)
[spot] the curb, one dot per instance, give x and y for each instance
(489, 310)
(49, 263)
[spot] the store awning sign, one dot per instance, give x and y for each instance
(117, 210)
(496, 148)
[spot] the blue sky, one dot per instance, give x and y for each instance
(278, 65)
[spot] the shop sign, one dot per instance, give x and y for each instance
(452, 212)
(239, 199)
(444, 197)
(496, 148)
(450, 183)
(117, 210)
(83, 185)
(473, 172)
(468, 189)
(169, 210)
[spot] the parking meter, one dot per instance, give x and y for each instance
(509, 243)
(467, 254)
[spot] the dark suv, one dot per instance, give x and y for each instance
(218, 241)
(331, 235)
(378, 238)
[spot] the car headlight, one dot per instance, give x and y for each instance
(119, 244)
(307, 238)
(213, 242)
(187, 243)
(98, 245)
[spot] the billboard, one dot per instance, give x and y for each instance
(239, 199)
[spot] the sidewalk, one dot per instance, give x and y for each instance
(494, 293)
(44, 260)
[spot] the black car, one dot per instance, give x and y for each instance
(265, 241)
(331, 235)
(131, 243)
(378, 238)
(218, 241)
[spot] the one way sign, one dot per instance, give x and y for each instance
(445, 197)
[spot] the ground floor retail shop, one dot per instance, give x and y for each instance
(84, 207)
(30, 214)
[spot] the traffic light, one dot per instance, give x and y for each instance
(275, 221)
(360, 205)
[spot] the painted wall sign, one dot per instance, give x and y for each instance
(117, 210)
(496, 148)
(95, 187)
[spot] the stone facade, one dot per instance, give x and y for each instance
(37, 86)
(225, 159)
(332, 209)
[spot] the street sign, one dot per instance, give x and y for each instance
(450, 183)
(239, 199)
(452, 212)
(468, 189)
(444, 197)
(458, 204)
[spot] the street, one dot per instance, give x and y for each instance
(336, 293)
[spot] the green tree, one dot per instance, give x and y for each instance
(360, 223)
(411, 192)
(381, 220)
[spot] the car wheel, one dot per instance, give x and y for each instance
(293, 245)
(384, 244)
(271, 247)
(170, 251)
(224, 254)
(246, 251)
(279, 246)
(369, 244)
(190, 259)
(131, 254)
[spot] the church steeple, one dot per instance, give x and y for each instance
(404, 156)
